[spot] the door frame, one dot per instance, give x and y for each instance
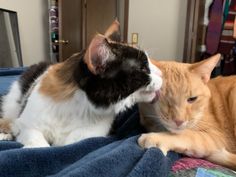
(193, 30)
(125, 27)
(126, 21)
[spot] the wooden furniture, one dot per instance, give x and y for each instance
(195, 30)
(80, 20)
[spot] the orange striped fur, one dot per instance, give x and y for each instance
(208, 124)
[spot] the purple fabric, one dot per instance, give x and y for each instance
(192, 167)
(214, 27)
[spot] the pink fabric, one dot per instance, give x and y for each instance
(189, 163)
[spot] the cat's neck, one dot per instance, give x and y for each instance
(217, 110)
(62, 80)
(220, 89)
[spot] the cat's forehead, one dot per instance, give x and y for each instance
(174, 70)
(128, 51)
(177, 78)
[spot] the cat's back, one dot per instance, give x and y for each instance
(222, 84)
(13, 101)
(223, 100)
(31, 74)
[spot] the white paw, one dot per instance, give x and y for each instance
(6, 136)
(145, 96)
(36, 145)
(149, 96)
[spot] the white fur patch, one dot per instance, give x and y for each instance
(7, 137)
(105, 53)
(11, 106)
(156, 80)
(44, 120)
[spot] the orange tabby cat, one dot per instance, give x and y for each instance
(199, 113)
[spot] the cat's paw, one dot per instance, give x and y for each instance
(36, 145)
(153, 140)
(145, 96)
(6, 136)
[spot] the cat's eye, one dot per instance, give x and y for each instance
(192, 99)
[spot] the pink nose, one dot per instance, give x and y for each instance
(178, 122)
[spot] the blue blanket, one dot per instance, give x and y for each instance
(115, 156)
(7, 76)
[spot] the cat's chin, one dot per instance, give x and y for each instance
(175, 130)
(156, 98)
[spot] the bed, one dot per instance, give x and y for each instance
(117, 155)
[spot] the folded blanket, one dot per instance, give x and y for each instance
(115, 156)
(7, 76)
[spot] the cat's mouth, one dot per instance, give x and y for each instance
(156, 98)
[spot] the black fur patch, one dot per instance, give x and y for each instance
(115, 36)
(32, 73)
(119, 79)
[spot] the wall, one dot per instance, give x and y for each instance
(161, 26)
(33, 28)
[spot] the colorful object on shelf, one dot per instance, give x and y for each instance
(221, 34)
(54, 28)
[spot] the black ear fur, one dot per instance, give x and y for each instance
(116, 36)
(113, 32)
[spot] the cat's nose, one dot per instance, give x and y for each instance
(178, 122)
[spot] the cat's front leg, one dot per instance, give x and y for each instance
(5, 129)
(32, 138)
(159, 140)
(6, 137)
(78, 135)
(191, 143)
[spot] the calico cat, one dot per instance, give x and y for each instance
(66, 102)
(199, 114)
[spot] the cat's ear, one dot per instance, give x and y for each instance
(205, 67)
(98, 54)
(113, 32)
